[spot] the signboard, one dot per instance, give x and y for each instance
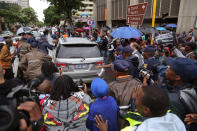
(135, 14)
(89, 22)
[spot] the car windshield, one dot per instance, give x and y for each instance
(78, 51)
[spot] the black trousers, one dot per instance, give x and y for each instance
(9, 74)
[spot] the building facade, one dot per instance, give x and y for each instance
(181, 12)
(10, 1)
(113, 12)
(87, 9)
(24, 3)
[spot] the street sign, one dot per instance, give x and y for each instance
(135, 14)
(89, 22)
(135, 20)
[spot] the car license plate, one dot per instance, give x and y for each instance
(84, 66)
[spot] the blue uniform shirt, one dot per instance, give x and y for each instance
(108, 109)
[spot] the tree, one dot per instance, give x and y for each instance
(13, 13)
(10, 12)
(28, 16)
(66, 6)
(52, 16)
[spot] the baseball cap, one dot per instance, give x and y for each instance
(121, 65)
(184, 67)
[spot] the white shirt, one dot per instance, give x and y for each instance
(169, 122)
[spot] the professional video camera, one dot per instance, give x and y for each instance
(167, 44)
(9, 114)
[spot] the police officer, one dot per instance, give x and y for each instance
(182, 74)
(150, 62)
(31, 38)
(133, 60)
(31, 63)
(24, 47)
(121, 89)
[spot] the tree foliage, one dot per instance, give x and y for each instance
(66, 6)
(52, 16)
(28, 16)
(13, 13)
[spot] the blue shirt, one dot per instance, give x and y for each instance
(31, 40)
(43, 47)
(108, 109)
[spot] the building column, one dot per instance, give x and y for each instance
(187, 16)
(95, 13)
(109, 13)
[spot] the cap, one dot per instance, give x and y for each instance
(127, 49)
(34, 44)
(121, 65)
(184, 67)
(149, 49)
(119, 48)
(99, 88)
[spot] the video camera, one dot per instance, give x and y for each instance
(147, 73)
(9, 115)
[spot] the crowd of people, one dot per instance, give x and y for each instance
(154, 87)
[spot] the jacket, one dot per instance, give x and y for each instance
(67, 115)
(108, 109)
(5, 58)
(43, 46)
(122, 89)
(24, 48)
(31, 63)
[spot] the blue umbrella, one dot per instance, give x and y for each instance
(126, 33)
(160, 28)
(84, 14)
(172, 25)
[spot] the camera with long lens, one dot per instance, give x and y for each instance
(9, 115)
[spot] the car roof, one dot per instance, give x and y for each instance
(76, 40)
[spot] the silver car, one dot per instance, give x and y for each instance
(79, 57)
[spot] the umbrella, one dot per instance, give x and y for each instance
(84, 14)
(172, 25)
(160, 28)
(148, 30)
(126, 32)
(86, 28)
(23, 30)
(79, 30)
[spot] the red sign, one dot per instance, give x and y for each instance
(135, 14)
(89, 22)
